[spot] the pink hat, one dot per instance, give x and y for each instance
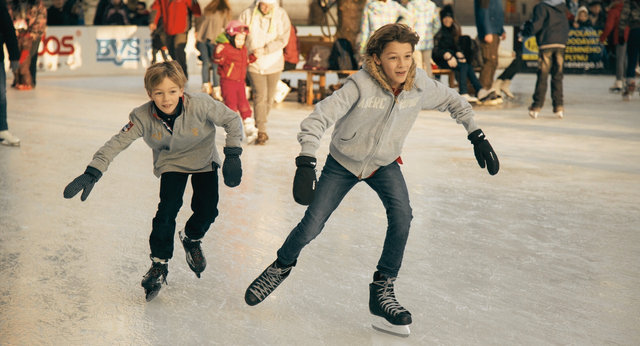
(236, 27)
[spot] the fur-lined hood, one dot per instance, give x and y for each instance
(378, 75)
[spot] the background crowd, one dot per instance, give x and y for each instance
(272, 43)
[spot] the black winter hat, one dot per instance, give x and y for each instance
(446, 11)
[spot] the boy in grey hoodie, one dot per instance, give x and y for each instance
(372, 113)
(180, 128)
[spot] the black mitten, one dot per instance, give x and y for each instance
(232, 167)
(304, 182)
(484, 152)
(84, 182)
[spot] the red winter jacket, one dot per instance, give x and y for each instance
(232, 62)
(174, 14)
(613, 18)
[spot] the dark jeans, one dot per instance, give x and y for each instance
(549, 61)
(513, 68)
(633, 51)
(334, 183)
(3, 98)
(466, 71)
(206, 53)
(204, 204)
(33, 67)
(176, 45)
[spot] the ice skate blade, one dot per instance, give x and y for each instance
(380, 324)
(150, 294)
(198, 275)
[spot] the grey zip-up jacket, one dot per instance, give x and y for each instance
(190, 148)
(371, 124)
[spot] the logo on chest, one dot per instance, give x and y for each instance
(373, 102)
(157, 136)
(409, 103)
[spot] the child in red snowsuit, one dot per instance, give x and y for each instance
(232, 59)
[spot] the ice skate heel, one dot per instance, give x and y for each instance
(617, 87)
(267, 282)
(388, 315)
(154, 278)
(195, 256)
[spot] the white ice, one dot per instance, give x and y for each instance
(547, 252)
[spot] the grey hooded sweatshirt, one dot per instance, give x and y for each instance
(189, 148)
(371, 124)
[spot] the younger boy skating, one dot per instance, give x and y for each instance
(373, 113)
(180, 128)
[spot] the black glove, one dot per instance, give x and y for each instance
(304, 182)
(84, 182)
(484, 152)
(232, 168)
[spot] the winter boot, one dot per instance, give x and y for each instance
(195, 256)
(206, 88)
(262, 138)
(390, 316)
(250, 130)
(629, 90)
(6, 138)
(267, 282)
(487, 97)
(153, 279)
(216, 93)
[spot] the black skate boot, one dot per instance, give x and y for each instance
(152, 281)
(267, 282)
(195, 256)
(389, 315)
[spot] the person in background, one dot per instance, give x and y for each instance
(551, 28)
(116, 13)
(175, 16)
(29, 19)
(141, 15)
(597, 14)
(582, 19)
(377, 13)
(611, 33)
(59, 14)
(269, 32)
(489, 22)
(214, 20)
(7, 38)
(426, 24)
(630, 18)
(292, 50)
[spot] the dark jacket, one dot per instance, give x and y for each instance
(489, 17)
(549, 25)
(445, 41)
(630, 15)
(8, 34)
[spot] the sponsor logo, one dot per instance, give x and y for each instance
(54, 45)
(118, 51)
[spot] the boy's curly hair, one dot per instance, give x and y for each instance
(157, 72)
(397, 32)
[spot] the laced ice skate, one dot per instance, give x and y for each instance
(388, 315)
(195, 256)
(153, 279)
(267, 282)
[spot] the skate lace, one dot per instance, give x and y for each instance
(387, 297)
(194, 249)
(158, 270)
(268, 282)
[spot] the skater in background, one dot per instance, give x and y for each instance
(426, 24)
(269, 32)
(158, 43)
(448, 53)
(630, 18)
(8, 38)
(180, 128)
(176, 18)
(214, 20)
(489, 22)
(550, 26)
(360, 112)
(29, 19)
(612, 34)
(232, 60)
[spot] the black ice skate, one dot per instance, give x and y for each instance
(267, 282)
(152, 281)
(195, 256)
(389, 316)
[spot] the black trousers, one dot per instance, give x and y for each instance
(204, 205)
(176, 45)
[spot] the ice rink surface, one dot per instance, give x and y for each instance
(547, 252)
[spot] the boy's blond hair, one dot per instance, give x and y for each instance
(157, 72)
(386, 34)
